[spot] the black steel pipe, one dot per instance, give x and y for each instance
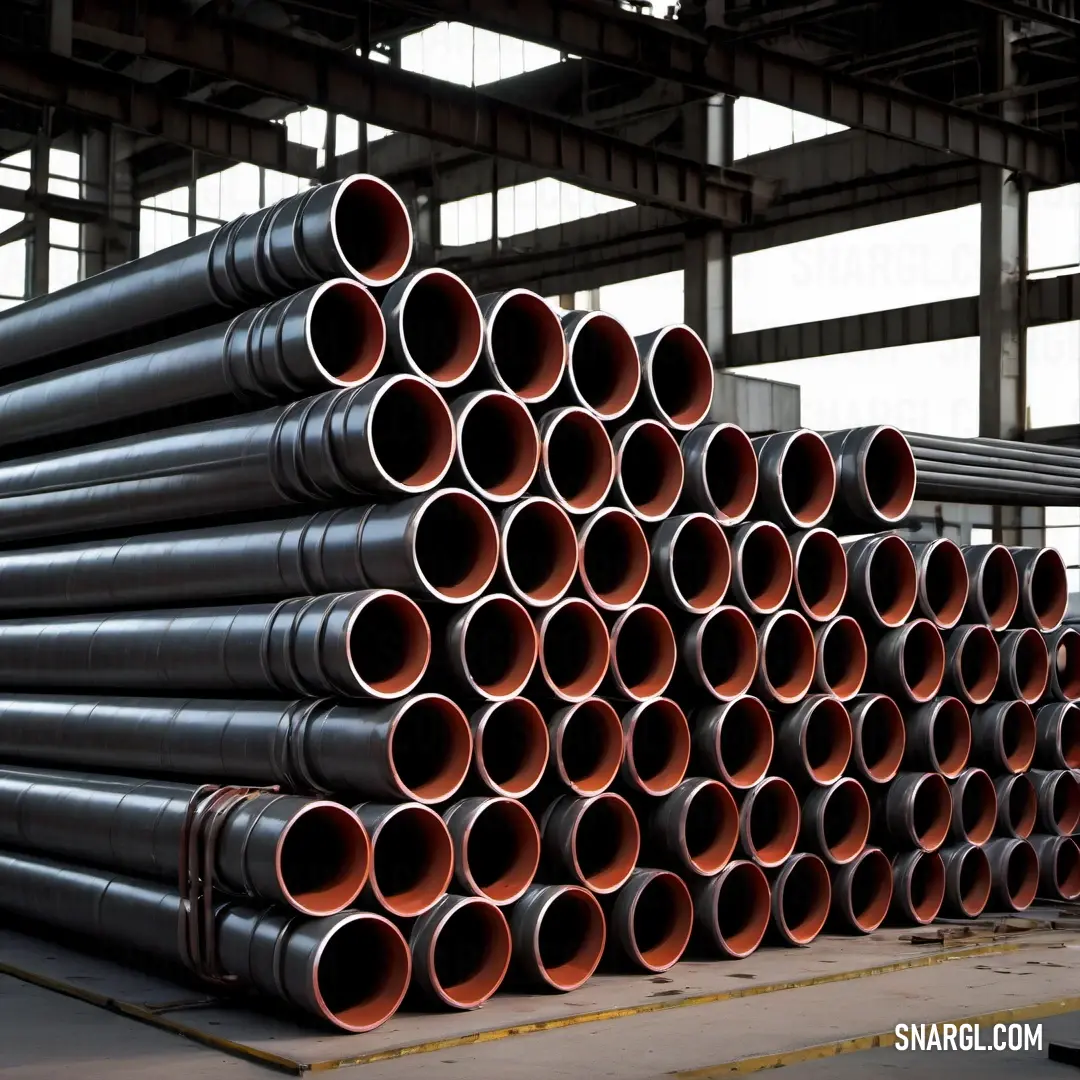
(972, 663)
(613, 559)
(330, 335)
(967, 880)
(909, 662)
(721, 472)
(862, 891)
(1018, 805)
(1057, 736)
(734, 741)
(1014, 873)
(820, 574)
(1058, 795)
(1063, 647)
(677, 376)
(1059, 866)
(393, 436)
(1025, 665)
(918, 887)
(497, 448)
(875, 477)
(1003, 736)
(356, 227)
(878, 738)
(801, 898)
(648, 470)
(786, 658)
(690, 564)
(643, 653)
(559, 933)
(577, 461)
(650, 920)
(575, 648)
(311, 855)
(813, 741)
(587, 746)
(883, 581)
(524, 350)
(694, 829)
(732, 909)
(840, 658)
(1044, 589)
(975, 808)
(796, 478)
(762, 568)
(769, 819)
(596, 840)
(602, 370)
(417, 748)
(914, 812)
(1007, 449)
(657, 739)
(836, 821)
(938, 737)
(538, 552)
(994, 592)
(719, 653)
(362, 644)
(442, 545)
(962, 487)
(943, 581)
(510, 746)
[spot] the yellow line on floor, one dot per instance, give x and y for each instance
(743, 1066)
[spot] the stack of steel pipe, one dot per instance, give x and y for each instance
(463, 648)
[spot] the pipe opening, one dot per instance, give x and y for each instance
(711, 830)
(470, 955)
(1022, 804)
(430, 748)
(389, 644)
(658, 746)
(774, 821)
(931, 811)
(502, 851)
(372, 229)
(843, 657)
(845, 820)
(456, 545)
(324, 857)
(922, 661)
(1021, 874)
(974, 891)
(731, 472)
(662, 920)
(945, 583)
(827, 740)
(412, 434)
(978, 808)
(570, 939)
(807, 478)
(511, 747)
(871, 888)
(926, 887)
(643, 652)
(980, 664)
(604, 365)
(999, 587)
(413, 860)
(821, 574)
(1065, 805)
(574, 649)
(441, 327)
(746, 742)
(787, 660)
(728, 652)
(606, 842)
(500, 647)
(1070, 737)
(346, 333)
(1067, 869)
(498, 445)
(614, 558)
(1031, 666)
(893, 580)
(1018, 737)
(701, 563)
(1049, 589)
(540, 551)
(764, 566)
(879, 740)
(681, 377)
(362, 973)
(889, 471)
(527, 345)
(651, 470)
(579, 460)
(589, 746)
(743, 909)
(1067, 666)
(805, 895)
(950, 737)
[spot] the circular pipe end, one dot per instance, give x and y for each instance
(943, 583)
(722, 652)
(495, 646)
(657, 746)
(699, 568)
(604, 843)
(587, 745)
(498, 445)
(371, 230)
(741, 909)
(710, 827)
(1064, 803)
(678, 377)
(1030, 666)
(346, 333)
(844, 823)
(742, 742)
(500, 850)
(807, 479)
(921, 886)
(412, 860)
(574, 649)
(786, 657)
(613, 558)
(975, 808)
(972, 881)
(996, 586)
(388, 643)
(1018, 870)
(411, 435)
(455, 546)
(539, 551)
(648, 469)
(322, 857)
(657, 917)
(362, 972)
(1017, 735)
(869, 890)
(510, 746)
(950, 737)
(467, 951)
(820, 573)
(892, 581)
(763, 568)
(429, 748)
(727, 473)
(769, 825)
(643, 652)
(931, 812)
(525, 344)
(842, 658)
(577, 460)
(569, 938)
(888, 472)
(826, 740)
(602, 366)
(977, 665)
(878, 738)
(1047, 593)
(922, 660)
(1065, 668)
(1066, 869)
(802, 895)
(1018, 805)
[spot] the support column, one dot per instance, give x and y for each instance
(707, 253)
(106, 179)
(37, 268)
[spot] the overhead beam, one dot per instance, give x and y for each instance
(108, 99)
(375, 93)
(610, 35)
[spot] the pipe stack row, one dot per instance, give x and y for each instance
(485, 655)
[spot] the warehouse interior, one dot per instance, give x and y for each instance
(867, 210)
